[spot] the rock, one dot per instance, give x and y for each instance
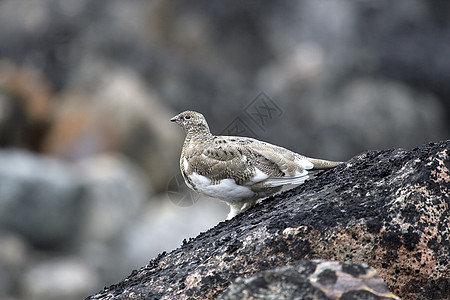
(40, 198)
(26, 107)
(118, 114)
(388, 209)
(161, 227)
(309, 56)
(14, 256)
(347, 76)
(379, 113)
(311, 280)
(116, 193)
(215, 58)
(67, 278)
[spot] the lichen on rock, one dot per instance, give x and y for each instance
(388, 209)
(312, 280)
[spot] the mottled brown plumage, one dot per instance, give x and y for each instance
(238, 170)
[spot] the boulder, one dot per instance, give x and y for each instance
(388, 209)
(58, 278)
(40, 199)
(312, 280)
(14, 255)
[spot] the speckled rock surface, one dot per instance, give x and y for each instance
(312, 280)
(388, 209)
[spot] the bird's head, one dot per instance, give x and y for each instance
(192, 122)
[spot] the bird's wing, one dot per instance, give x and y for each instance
(220, 160)
(292, 166)
(290, 163)
(250, 161)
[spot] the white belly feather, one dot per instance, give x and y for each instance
(226, 189)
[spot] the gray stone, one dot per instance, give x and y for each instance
(118, 113)
(40, 198)
(115, 192)
(14, 257)
(116, 195)
(65, 278)
(311, 280)
(163, 227)
(378, 114)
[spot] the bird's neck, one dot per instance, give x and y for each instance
(198, 135)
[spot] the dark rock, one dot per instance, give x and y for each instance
(311, 280)
(388, 209)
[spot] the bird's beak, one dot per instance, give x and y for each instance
(174, 119)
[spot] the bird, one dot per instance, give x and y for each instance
(235, 169)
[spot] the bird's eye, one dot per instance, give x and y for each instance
(187, 117)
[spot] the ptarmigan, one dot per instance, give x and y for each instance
(238, 170)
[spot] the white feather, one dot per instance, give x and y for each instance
(259, 176)
(226, 189)
(278, 181)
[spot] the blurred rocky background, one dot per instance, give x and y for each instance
(87, 89)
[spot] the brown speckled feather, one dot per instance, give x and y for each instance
(238, 170)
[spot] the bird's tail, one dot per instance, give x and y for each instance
(321, 164)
